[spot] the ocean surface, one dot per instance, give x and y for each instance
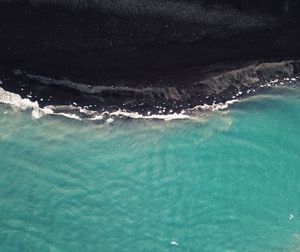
(225, 180)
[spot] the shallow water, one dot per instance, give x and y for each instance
(228, 181)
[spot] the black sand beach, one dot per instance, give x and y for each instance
(144, 56)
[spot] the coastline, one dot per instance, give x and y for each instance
(202, 90)
(57, 54)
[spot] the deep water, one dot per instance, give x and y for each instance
(226, 181)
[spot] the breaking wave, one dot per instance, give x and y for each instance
(86, 113)
(76, 112)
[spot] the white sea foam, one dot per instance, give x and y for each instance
(174, 243)
(136, 115)
(19, 103)
(215, 106)
(16, 100)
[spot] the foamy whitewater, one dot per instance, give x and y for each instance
(79, 113)
(18, 103)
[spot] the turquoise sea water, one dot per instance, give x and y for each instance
(228, 181)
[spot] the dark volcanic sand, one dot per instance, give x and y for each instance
(173, 54)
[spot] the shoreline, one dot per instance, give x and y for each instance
(165, 57)
(202, 88)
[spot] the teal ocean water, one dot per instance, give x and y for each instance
(226, 181)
